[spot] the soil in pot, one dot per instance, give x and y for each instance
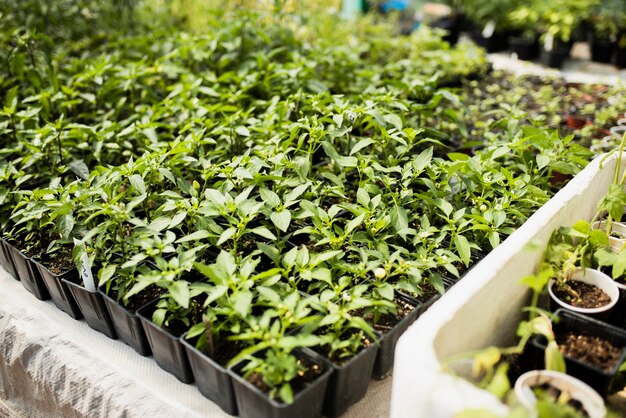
(590, 349)
(593, 350)
(582, 295)
(309, 389)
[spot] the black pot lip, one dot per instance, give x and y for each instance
(328, 369)
(538, 340)
(365, 351)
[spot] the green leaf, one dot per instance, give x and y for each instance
(226, 235)
(386, 291)
(354, 223)
(463, 247)
(105, 274)
(179, 290)
(445, 206)
(503, 151)
(422, 160)
(399, 218)
(159, 316)
(338, 159)
(194, 236)
(79, 168)
(177, 219)
(262, 232)
(554, 358)
(270, 197)
(286, 394)
(393, 120)
(542, 161)
(66, 225)
(281, 219)
(362, 144)
(160, 223)
(242, 130)
(242, 302)
(138, 184)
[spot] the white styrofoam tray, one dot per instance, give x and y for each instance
(484, 308)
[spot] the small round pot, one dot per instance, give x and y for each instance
(596, 278)
(589, 398)
(618, 131)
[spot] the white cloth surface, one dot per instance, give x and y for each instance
(54, 366)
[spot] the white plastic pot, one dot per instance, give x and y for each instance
(589, 398)
(593, 277)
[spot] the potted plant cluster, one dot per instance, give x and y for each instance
(262, 214)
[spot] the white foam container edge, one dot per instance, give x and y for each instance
(484, 308)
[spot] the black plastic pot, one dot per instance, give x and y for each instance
(452, 27)
(387, 344)
(92, 306)
(127, 325)
(5, 259)
(29, 274)
(571, 321)
(524, 48)
(213, 380)
(620, 57)
(308, 402)
(348, 382)
(601, 49)
(557, 56)
(497, 42)
(59, 292)
(167, 349)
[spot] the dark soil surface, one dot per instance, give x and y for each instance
(554, 393)
(336, 357)
(384, 323)
(58, 262)
(225, 351)
(147, 295)
(592, 350)
(589, 296)
(428, 292)
(310, 371)
(176, 328)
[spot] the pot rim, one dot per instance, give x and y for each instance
(596, 277)
(591, 400)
